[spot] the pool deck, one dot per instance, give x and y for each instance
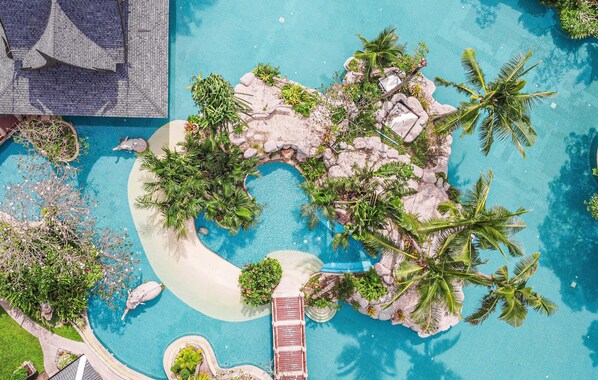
(199, 277)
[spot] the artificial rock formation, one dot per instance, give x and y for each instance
(275, 132)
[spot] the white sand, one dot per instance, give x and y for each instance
(195, 274)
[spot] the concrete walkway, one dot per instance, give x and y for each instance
(51, 343)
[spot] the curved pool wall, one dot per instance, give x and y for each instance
(281, 226)
(230, 37)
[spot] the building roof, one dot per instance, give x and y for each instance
(84, 57)
(80, 369)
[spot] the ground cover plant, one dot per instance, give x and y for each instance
(267, 73)
(258, 281)
(17, 346)
(302, 101)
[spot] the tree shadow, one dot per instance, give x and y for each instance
(375, 340)
(591, 342)
(185, 15)
(485, 11)
(453, 173)
(568, 234)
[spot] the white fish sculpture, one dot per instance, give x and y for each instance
(132, 145)
(143, 293)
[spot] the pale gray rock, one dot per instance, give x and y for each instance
(343, 145)
(247, 79)
(237, 139)
(417, 171)
(270, 146)
(381, 270)
(440, 182)
(258, 137)
(429, 176)
(415, 105)
(250, 153)
(336, 171)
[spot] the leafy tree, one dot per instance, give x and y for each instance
(51, 247)
(579, 18)
(381, 52)
(513, 294)
(258, 281)
(501, 105)
(472, 226)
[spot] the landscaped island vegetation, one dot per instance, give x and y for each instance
(579, 18)
(434, 256)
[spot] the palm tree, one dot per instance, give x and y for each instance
(380, 52)
(471, 226)
(438, 280)
(513, 294)
(501, 105)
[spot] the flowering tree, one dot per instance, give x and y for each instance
(51, 247)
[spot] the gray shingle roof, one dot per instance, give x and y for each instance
(89, 57)
(70, 371)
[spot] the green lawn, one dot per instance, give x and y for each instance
(66, 331)
(17, 346)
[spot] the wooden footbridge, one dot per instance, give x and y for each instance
(288, 323)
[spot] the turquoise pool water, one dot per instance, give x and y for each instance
(230, 37)
(281, 227)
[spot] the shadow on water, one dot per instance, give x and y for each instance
(538, 19)
(453, 174)
(590, 340)
(187, 14)
(569, 235)
(386, 348)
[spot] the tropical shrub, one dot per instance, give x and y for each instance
(219, 108)
(55, 140)
(51, 248)
(579, 18)
(354, 65)
(369, 285)
(267, 73)
(345, 287)
(258, 281)
(313, 168)
(204, 177)
(302, 101)
(186, 361)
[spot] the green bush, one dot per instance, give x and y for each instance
(302, 101)
(258, 281)
(346, 286)
(65, 359)
(370, 285)
(20, 374)
(186, 361)
(266, 72)
(313, 168)
(579, 18)
(354, 65)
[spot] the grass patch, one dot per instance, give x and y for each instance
(66, 331)
(17, 346)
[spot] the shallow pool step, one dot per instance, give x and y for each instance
(320, 315)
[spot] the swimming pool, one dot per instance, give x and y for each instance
(281, 227)
(230, 37)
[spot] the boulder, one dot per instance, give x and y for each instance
(270, 146)
(237, 139)
(403, 123)
(429, 176)
(381, 270)
(417, 171)
(247, 79)
(250, 153)
(336, 171)
(287, 154)
(258, 137)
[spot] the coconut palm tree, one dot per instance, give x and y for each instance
(513, 294)
(472, 225)
(381, 52)
(501, 105)
(437, 280)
